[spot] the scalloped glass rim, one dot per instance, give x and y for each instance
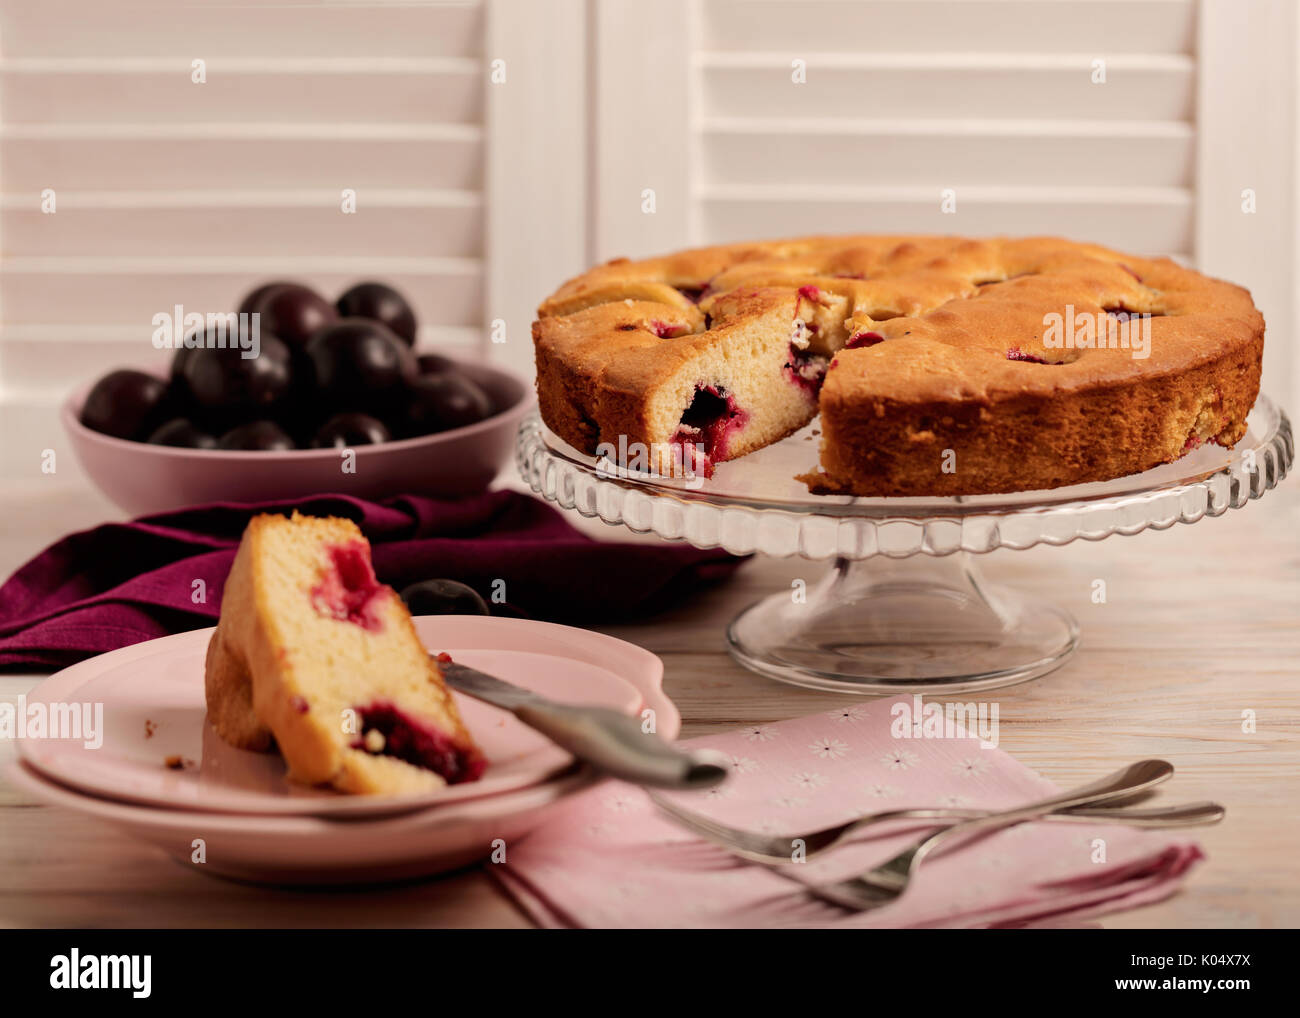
(745, 510)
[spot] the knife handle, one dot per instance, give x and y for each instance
(615, 744)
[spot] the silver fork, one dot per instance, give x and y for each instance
(718, 852)
(887, 882)
(770, 849)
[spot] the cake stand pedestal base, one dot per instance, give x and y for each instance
(919, 624)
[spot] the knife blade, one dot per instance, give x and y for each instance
(613, 743)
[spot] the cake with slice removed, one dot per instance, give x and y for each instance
(939, 365)
(316, 657)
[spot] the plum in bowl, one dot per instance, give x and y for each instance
(148, 477)
(292, 396)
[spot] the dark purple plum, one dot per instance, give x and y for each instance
(380, 303)
(436, 364)
(360, 365)
(344, 431)
(443, 597)
(126, 404)
(249, 303)
(441, 402)
(182, 434)
(225, 387)
(256, 436)
(293, 312)
(179, 358)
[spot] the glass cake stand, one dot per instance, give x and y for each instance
(903, 608)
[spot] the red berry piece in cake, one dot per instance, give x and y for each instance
(1016, 354)
(861, 339)
(709, 425)
(347, 587)
(315, 656)
(666, 331)
(805, 369)
(389, 731)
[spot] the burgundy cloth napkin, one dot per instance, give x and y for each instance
(121, 583)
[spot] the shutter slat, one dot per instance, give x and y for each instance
(406, 91)
(1049, 26)
(385, 225)
(1148, 93)
(1156, 222)
(941, 155)
(132, 290)
(244, 156)
(211, 29)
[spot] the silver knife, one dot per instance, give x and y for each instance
(611, 742)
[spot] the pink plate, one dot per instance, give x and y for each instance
(144, 479)
(320, 850)
(153, 709)
(337, 850)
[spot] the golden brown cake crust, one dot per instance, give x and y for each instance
(949, 375)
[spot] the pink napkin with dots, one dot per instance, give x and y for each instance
(609, 858)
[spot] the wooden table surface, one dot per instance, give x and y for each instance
(1201, 622)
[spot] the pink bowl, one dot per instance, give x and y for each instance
(144, 479)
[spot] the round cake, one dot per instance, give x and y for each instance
(939, 365)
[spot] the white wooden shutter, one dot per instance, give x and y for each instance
(997, 102)
(172, 192)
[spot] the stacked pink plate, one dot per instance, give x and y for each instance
(155, 768)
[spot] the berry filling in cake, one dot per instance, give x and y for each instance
(711, 421)
(806, 370)
(386, 730)
(859, 339)
(347, 587)
(665, 331)
(1016, 354)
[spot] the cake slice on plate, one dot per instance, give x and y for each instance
(316, 656)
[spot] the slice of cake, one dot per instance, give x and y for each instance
(316, 655)
(679, 390)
